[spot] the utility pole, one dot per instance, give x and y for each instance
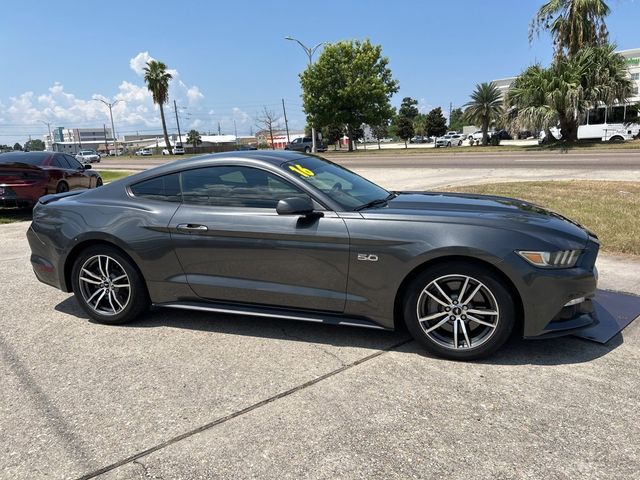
(106, 145)
(175, 109)
(235, 129)
(113, 130)
(219, 129)
(286, 123)
(450, 111)
(50, 136)
(309, 51)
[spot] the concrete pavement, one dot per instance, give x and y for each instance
(189, 395)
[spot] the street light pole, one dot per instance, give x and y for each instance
(309, 51)
(49, 128)
(113, 130)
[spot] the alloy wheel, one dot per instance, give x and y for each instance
(104, 285)
(458, 312)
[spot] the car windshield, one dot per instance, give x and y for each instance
(349, 190)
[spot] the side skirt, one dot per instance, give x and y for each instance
(327, 319)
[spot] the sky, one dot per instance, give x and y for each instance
(230, 59)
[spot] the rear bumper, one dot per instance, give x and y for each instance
(21, 196)
(43, 262)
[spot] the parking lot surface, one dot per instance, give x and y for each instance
(188, 395)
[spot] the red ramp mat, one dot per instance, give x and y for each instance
(615, 311)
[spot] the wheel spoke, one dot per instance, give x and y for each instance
(447, 298)
(115, 297)
(482, 312)
(437, 325)
(100, 267)
(455, 334)
(111, 302)
(436, 299)
(481, 322)
(89, 280)
(473, 294)
(463, 289)
(91, 274)
(466, 335)
(95, 305)
(119, 278)
(121, 285)
(94, 294)
(432, 317)
(106, 267)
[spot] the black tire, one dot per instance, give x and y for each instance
(99, 182)
(62, 187)
(460, 143)
(616, 139)
(307, 150)
(493, 337)
(138, 299)
(448, 144)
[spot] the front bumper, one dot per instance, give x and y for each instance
(547, 297)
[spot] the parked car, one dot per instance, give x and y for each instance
(502, 135)
(27, 176)
(449, 140)
(418, 139)
(246, 147)
(87, 156)
(177, 150)
(317, 243)
(475, 136)
(304, 144)
(144, 152)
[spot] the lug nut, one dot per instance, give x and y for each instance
(452, 318)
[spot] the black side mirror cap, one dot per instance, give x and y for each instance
(295, 206)
(87, 166)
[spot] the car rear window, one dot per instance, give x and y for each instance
(165, 188)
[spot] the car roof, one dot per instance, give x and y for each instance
(17, 157)
(275, 158)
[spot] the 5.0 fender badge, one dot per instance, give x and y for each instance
(367, 257)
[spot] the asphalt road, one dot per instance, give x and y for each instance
(572, 160)
(182, 395)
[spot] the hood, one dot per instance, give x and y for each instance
(486, 210)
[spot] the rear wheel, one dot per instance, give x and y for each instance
(448, 144)
(99, 182)
(307, 150)
(62, 187)
(459, 311)
(108, 286)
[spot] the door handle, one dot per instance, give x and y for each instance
(191, 227)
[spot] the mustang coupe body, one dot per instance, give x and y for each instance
(290, 235)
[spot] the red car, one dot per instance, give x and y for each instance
(27, 176)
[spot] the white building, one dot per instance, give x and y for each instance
(72, 140)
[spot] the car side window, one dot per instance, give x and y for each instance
(235, 186)
(165, 188)
(73, 163)
(62, 161)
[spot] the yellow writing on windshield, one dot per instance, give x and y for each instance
(300, 170)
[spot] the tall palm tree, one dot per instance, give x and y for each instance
(194, 138)
(485, 107)
(157, 79)
(565, 92)
(573, 24)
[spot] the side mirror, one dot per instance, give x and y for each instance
(295, 206)
(87, 166)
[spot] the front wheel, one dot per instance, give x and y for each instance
(307, 150)
(108, 286)
(459, 311)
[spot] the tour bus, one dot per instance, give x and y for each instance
(614, 124)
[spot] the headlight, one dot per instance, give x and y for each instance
(560, 259)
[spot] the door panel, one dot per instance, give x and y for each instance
(254, 255)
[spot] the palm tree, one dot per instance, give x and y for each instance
(157, 79)
(485, 107)
(194, 138)
(565, 92)
(573, 24)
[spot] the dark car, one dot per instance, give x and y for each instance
(305, 144)
(502, 135)
(27, 176)
(289, 235)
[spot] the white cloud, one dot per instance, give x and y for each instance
(138, 62)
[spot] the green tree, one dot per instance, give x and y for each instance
(332, 134)
(35, 145)
(485, 107)
(157, 79)
(349, 85)
(17, 146)
(404, 120)
(420, 124)
(194, 138)
(379, 132)
(573, 24)
(564, 92)
(435, 123)
(456, 122)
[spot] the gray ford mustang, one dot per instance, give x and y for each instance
(289, 235)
